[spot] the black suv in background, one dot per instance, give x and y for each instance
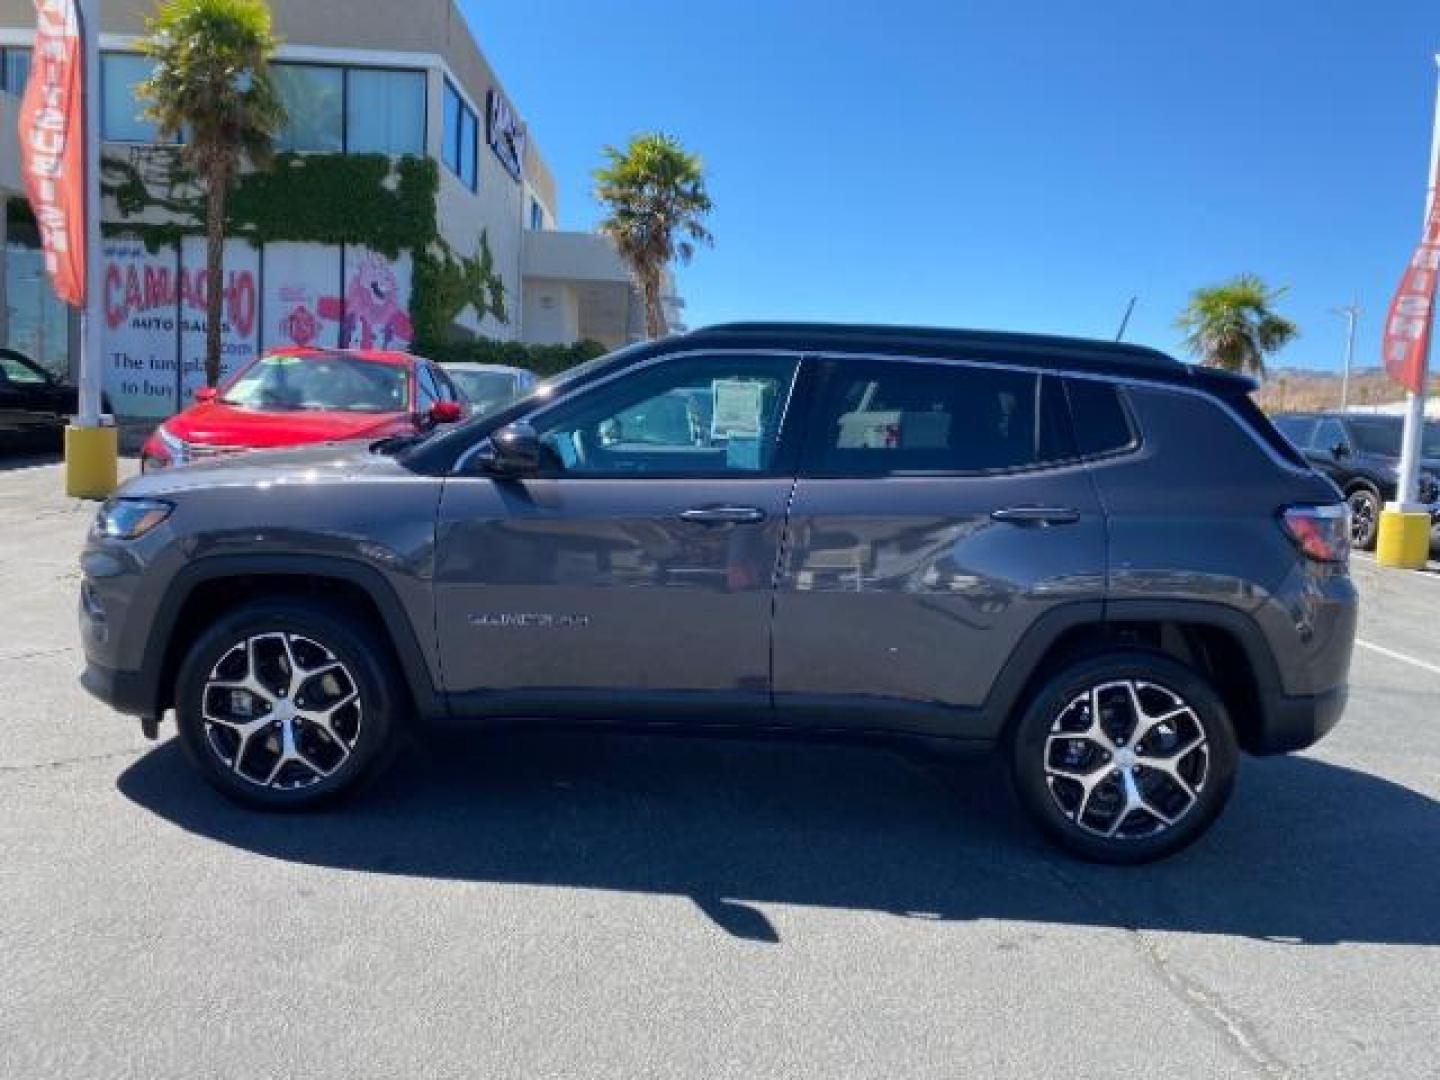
(1104, 564)
(1361, 453)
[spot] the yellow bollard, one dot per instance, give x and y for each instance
(1404, 541)
(90, 462)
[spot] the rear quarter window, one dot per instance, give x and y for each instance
(1102, 422)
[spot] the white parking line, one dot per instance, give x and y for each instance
(1434, 669)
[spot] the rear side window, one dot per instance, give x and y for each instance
(1298, 429)
(1102, 423)
(883, 418)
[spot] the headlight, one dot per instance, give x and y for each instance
(129, 519)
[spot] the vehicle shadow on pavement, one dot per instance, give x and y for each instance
(1308, 852)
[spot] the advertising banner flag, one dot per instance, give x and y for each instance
(52, 145)
(1408, 322)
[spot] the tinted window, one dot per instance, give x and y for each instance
(693, 417)
(428, 392)
(14, 70)
(385, 112)
(1298, 429)
(120, 120)
(886, 417)
(1101, 423)
(1379, 437)
(314, 100)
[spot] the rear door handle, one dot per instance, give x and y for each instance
(1036, 515)
(723, 515)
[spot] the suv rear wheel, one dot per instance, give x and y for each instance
(283, 705)
(1364, 503)
(1124, 757)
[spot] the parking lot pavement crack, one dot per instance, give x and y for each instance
(37, 654)
(61, 763)
(1199, 1000)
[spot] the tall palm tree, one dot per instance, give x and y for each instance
(654, 191)
(1234, 325)
(211, 83)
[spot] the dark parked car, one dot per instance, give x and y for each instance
(979, 541)
(35, 406)
(1361, 453)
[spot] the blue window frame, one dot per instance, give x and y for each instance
(460, 138)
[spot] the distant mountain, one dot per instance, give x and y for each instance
(1295, 389)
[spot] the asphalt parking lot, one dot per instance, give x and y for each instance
(546, 905)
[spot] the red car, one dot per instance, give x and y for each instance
(290, 397)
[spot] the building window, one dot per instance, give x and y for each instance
(385, 112)
(314, 100)
(14, 70)
(460, 138)
(120, 113)
(537, 215)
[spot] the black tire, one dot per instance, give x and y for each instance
(1051, 774)
(350, 659)
(1365, 505)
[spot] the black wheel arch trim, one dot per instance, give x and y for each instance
(397, 629)
(1023, 666)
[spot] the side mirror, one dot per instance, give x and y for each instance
(514, 450)
(206, 394)
(1339, 450)
(445, 412)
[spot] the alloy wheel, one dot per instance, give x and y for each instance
(1362, 518)
(1126, 759)
(281, 711)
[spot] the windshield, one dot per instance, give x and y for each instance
(330, 382)
(487, 390)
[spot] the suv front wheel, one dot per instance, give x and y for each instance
(284, 704)
(1364, 503)
(1124, 757)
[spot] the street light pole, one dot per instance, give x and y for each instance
(1352, 314)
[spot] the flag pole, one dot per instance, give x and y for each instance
(90, 442)
(1408, 492)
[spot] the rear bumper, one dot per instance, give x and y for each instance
(1293, 722)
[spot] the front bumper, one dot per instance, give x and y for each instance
(126, 692)
(1294, 722)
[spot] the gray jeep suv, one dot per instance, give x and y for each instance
(1101, 562)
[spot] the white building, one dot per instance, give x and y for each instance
(357, 77)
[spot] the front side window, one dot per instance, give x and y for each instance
(1329, 435)
(703, 416)
(881, 418)
(385, 112)
(120, 119)
(1379, 437)
(314, 100)
(326, 383)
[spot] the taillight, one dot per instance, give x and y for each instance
(1321, 532)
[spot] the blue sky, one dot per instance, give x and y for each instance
(1005, 163)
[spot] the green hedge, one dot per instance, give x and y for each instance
(541, 359)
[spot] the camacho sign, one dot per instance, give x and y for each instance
(504, 133)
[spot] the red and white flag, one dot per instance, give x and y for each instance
(1408, 322)
(52, 145)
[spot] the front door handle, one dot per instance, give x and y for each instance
(1036, 515)
(723, 515)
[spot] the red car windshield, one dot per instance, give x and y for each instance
(331, 383)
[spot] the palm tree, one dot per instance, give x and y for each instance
(211, 83)
(655, 193)
(1234, 325)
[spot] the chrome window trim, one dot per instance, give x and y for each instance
(1121, 380)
